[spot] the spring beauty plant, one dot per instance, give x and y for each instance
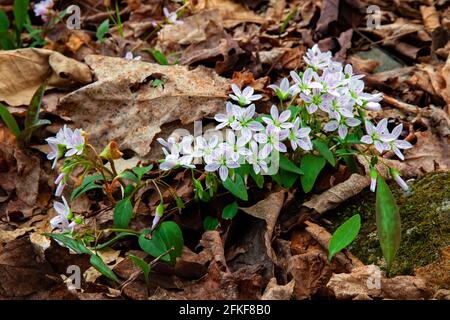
(320, 118)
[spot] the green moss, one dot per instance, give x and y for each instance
(425, 215)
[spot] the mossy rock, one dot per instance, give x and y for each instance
(425, 216)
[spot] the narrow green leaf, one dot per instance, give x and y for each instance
(166, 236)
(288, 19)
(344, 235)
(128, 175)
(230, 211)
(102, 30)
(20, 11)
(88, 183)
(324, 151)
(68, 242)
(388, 221)
(311, 165)
(144, 266)
(9, 120)
(123, 212)
(288, 165)
(4, 21)
(258, 178)
(159, 57)
(101, 266)
(28, 131)
(210, 223)
(32, 116)
(237, 187)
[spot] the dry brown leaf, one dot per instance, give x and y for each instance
(24, 70)
(430, 18)
(268, 209)
(275, 291)
(123, 106)
(232, 13)
(368, 281)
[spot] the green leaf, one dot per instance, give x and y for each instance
(237, 187)
(88, 183)
(28, 131)
(144, 266)
(166, 236)
(324, 151)
(210, 223)
(287, 178)
(258, 178)
(32, 116)
(101, 266)
(102, 30)
(128, 175)
(20, 10)
(344, 235)
(9, 120)
(4, 21)
(288, 165)
(141, 171)
(288, 19)
(230, 211)
(311, 166)
(123, 212)
(159, 57)
(68, 242)
(388, 221)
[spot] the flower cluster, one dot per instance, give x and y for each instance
(330, 98)
(66, 143)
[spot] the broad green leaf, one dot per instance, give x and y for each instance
(324, 151)
(311, 166)
(166, 236)
(388, 221)
(20, 10)
(288, 165)
(9, 120)
(102, 30)
(159, 57)
(344, 235)
(68, 242)
(141, 171)
(237, 187)
(128, 175)
(288, 178)
(210, 223)
(243, 170)
(101, 266)
(123, 212)
(230, 211)
(144, 266)
(258, 178)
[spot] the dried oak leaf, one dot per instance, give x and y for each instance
(124, 106)
(24, 70)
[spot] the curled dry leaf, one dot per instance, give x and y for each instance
(24, 70)
(268, 209)
(131, 111)
(275, 291)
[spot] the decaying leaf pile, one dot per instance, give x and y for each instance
(276, 247)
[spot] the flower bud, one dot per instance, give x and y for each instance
(373, 179)
(111, 151)
(396, 175)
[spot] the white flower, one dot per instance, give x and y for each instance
(373, 179)
(317, 59)
(61, 221)
(395, 144)
(283, 91)
(129, 56)
(376, 135)
(245, 123)
(174, 159)
(57, 146)
(342, 126)
(299, 137)
(221, 162)
(272, 138)
(61, 181)
(171, 17)
(371, 102)
(257, 158)
(279, 121)
(245, 96)
(204, 148)
(228, 118)
(348, 73)
(304, 83)
(235, 146)
(314, 101)
(43, 9)
(337, 107)
(396, 175)
(74, 141)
